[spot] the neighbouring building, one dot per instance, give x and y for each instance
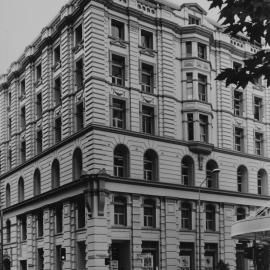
(109, 123)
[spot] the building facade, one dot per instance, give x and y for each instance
(111, 121)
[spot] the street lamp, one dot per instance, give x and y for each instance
(213, 172)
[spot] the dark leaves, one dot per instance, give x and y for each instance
(251, 18)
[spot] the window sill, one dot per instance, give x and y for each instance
(150, 229)
(210, 231)
(186, 230)
(82, 229)
(120, 227)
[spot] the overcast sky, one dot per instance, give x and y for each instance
(21, 21)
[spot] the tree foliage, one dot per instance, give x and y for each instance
(251, 18)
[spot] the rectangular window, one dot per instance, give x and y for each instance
(22, 88)
(118, 70)
(79, 116)
(57, 56)
(149, 214)
(187, 256)
(40, 224)
(190, 126)
(23, 265)
(58, 258)
(38, 73)
(39, 105)
(258, 108)
(78, 35)
(9, 157)
(59, 218)
(40, 259)
(147, 39)
(39, 142)
(57, 92)
(23, 228)
(194, 20)
(238, 139)
(202, 51)
(238, 103)
(9, 128)
(23, 119)
(9, 99)
(119, 113)
(210, 218)
(81, 256)
(188, 49)
(118, 29)
(57, 130)
(186, 216)
(189, 85)
(147, 78)
(258, 143)
(202, 87)
(237, 66)
(148, 120)
(79, 75)
(203, 128)
(80, 212)
(23, 151)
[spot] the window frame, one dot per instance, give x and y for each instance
(238, 103)
(120, 27)
(118, 64)
(210, 217)
(149, 216)
(120, 217)
(204, 128)
(147, 39)
(258, 108)
(202, 50)
(202, 87)
(186, 216)
(148, 119)
(239, 139)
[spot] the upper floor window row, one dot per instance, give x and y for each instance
(201, 50)
(118, 32)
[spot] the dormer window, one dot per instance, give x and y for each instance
(194, 20)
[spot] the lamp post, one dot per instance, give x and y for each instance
(213, 172)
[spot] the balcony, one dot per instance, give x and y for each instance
(203, 148)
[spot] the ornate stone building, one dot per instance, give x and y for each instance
(111, 123)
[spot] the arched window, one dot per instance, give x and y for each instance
(120, 211)
(37, 188)
(149, 213)
(55, 174)
(212, 179)
(150, 165)
(186, 216)
(262, 187)
(20, 190)
(242, 179)
(121, 161)
(210, 212)
(77, 164)
(240, 213)
(187, 171)
(7, 195)
(8, 226)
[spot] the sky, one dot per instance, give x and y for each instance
(21, 21)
